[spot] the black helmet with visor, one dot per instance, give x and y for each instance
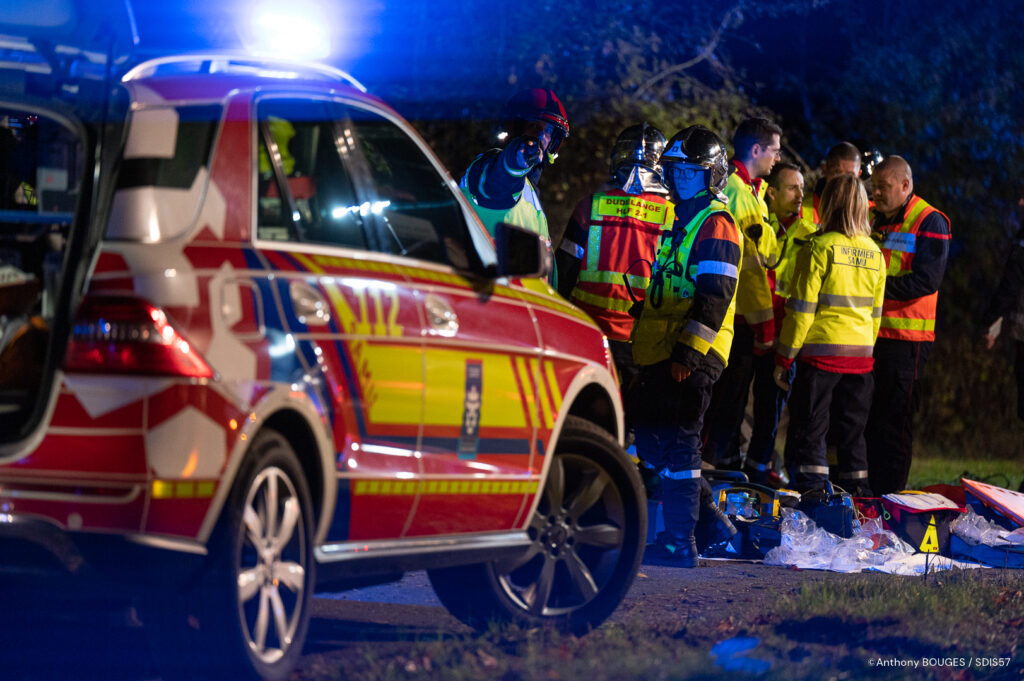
(696, 146)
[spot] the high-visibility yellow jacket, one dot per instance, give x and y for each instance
(690, 304)
(788, 239)
(835, 305)
(526, 211)
(754, 289)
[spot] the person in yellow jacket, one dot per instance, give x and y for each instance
(785, 196)
(832, 320)
(756, 144)
(682, 338)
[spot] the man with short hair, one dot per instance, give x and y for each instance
(914, 238)
(842, 157)
(757, 146)
(784, 197)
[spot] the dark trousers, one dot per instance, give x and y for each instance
(668, 424)
(815, 394)
(622, 355)
(899, 366)
(729, 405)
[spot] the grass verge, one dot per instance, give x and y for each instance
(962, 625)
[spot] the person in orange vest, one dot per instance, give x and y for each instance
(757, 146)
(832, 319)
(914, 238)
(842, 157)
(605, 257)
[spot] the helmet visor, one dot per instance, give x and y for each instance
(685, 180)
(549, 135)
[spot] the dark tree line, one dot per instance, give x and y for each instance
(941, 84)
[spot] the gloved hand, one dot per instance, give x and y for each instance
(780, 378)
(525, 153)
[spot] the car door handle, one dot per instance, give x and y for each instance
(440, 316)
(309, 305)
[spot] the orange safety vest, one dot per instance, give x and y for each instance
(623, 232)
(911, 320)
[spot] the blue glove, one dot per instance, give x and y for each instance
(522, 154)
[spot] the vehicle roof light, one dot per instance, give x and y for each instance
(297, 30)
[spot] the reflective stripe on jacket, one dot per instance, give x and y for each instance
(621, 238)
(833, 313)
(527, 211)
(911, 320)
(754, 289)
(691, 301)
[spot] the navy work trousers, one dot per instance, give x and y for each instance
(815, 394)
(899, 366)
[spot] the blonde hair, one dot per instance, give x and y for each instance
(844, 206)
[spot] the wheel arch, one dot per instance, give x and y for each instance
(302, 426)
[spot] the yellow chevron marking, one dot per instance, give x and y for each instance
(556, 393)
(541, 393)
(527, 395)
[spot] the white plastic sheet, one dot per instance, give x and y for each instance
(974, 529)
(807, 546)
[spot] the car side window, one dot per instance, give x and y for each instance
(415, 211)
(305, 191)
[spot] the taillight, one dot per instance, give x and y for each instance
(129, 336)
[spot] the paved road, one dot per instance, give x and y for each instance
(55, 644)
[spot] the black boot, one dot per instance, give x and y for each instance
(676, 546)
(672, 551)
(713, 526)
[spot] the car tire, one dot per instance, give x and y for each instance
(587, 535)
(246, 615)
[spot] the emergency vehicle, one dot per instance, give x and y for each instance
(255, 343)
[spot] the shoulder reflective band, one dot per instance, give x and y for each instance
(630, 207)
(679, 475)
(900, 241)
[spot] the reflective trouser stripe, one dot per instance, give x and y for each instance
(821, 470)
(854, 475)
(679, 475)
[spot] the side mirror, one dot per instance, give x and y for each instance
(521, 252)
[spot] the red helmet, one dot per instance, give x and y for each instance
(536, 105)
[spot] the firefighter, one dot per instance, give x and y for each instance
(784, 197)
(605, 258)
(842, 157)
(756, 144)
(682, 338)
(831, 324)
(914, 238)
(502, 182)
